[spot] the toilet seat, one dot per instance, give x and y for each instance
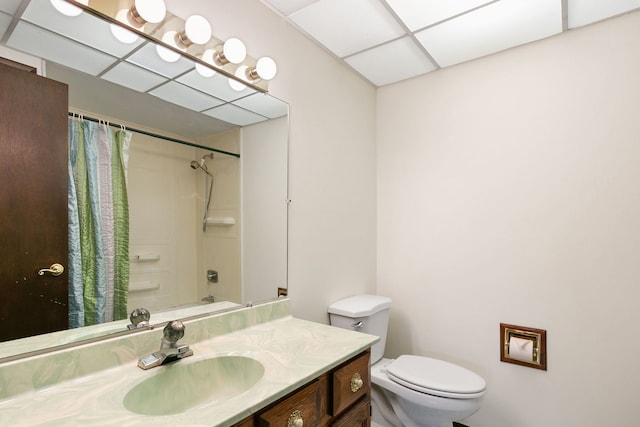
(436, 377)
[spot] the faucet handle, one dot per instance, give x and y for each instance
(173, 331)
(139, 318)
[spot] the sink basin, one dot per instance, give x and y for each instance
(185, 384)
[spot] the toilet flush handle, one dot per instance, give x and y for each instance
(358, 325)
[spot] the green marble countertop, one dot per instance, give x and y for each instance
(292, 351)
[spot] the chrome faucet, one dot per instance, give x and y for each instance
(169, 349)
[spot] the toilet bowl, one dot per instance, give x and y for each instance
(410, 391)
(415, 391)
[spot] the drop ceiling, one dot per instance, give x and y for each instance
(387, 41)
(173, 97)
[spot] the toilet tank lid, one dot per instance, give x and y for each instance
(360, 305)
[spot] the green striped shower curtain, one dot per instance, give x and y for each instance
(98, 223)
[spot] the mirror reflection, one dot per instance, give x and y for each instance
(206, 172)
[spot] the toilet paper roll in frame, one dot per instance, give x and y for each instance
(523, 345)
(521, 349)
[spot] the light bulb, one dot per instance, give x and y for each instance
(196, 30)
(168, 54)
(152, 11)
(207, 56)
(266, 68)
(122, 34)
(241, 73)
(234, 51)
(67, 8)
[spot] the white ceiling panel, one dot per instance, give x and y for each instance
(493, 28)
(583, 12)
(84, 28)
(148, 58)
(346, 27)
(418, 14)
(264, 105)
(398, 60)
(184, 96)
(37, 42)
(133, 77)
(217, 85)
(359, 32)
(287, 7)
(10, 6)
(5, 20)
(234, 114)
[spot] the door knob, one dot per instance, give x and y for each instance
(55, 270)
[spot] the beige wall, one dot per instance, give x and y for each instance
(508, 191)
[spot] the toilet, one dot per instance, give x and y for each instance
(410, 391)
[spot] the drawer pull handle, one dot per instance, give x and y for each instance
(295, 419)
(356, 382)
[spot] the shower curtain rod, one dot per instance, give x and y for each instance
(155, 135)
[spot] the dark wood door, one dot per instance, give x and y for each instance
(33, 203)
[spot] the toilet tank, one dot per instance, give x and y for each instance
(363, 313)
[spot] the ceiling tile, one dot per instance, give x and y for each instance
(234, 114)
(217, 85)
(287, 7)
(391, 62)
(5, 20)
(583, 12)
(347, 27)
(493, 28)
(38, 42)
(185, 96)
(10, 6)
(83, 28)
(265, 105)
(148, 58)
(418, 14)
(136, 78)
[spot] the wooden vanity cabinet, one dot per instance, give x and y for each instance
(350, 383)
(338, 398)
(358, 416)
(307, 404)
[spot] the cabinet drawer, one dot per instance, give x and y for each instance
(357, 416)
(350, 383)
(306, 404)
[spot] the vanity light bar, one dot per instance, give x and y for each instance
(173, 39)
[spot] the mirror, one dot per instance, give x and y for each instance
(244, 239)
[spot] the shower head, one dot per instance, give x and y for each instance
(200, 164)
